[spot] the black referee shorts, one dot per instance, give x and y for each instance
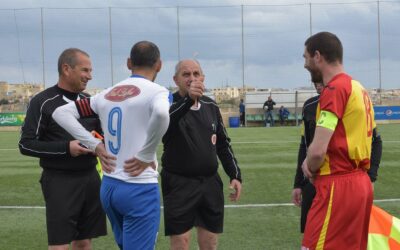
(73, 208)
(189, 202)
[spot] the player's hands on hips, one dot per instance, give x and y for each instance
(76, 149)
(107, 161)
(135, 167)
(236, 187)
(196, 89)
(296, 196)
(307, 172)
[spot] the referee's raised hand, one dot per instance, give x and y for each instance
(196, 89)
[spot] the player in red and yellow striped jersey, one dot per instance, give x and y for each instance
(339, 156)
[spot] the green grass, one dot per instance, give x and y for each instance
(267, 157)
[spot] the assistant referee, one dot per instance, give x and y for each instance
(70, 182)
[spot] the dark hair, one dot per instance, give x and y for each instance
(328, 45)
(68, 57)
(144, 54)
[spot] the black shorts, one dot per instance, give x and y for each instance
(307, 195)
(73, 208)
(189, 202)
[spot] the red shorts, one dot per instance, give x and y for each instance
(340, 212)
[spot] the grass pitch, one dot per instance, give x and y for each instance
(262, 219)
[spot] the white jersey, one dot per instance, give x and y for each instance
(134, 116)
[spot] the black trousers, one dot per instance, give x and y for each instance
(242, 116)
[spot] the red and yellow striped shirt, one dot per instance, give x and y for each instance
(350, 145)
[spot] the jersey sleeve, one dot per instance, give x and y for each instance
(179, 109)
(83, 106)
(158, 124)
(334, 99)
(67, 117)
(225, 152)
(34, 127)
(301, 156)
(376, 155)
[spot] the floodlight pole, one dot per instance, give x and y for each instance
(178, 33)
(379, 55)
(43, 64)
(310, 9)
(111, 47)
(311, 32)
(242, 52)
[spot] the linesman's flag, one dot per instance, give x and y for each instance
(98, 166)
(384, 230)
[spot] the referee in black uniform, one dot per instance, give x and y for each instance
(303, 191)
(192, 189)
(70, 182)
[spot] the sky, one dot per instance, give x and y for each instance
(260, 44)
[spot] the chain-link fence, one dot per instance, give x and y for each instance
(244, 45)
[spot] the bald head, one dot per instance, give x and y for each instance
(186, 72)
(144, 54)
(185, 63)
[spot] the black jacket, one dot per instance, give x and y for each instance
(195, 138)
(269, 104)
(42, 137)
(309, 116)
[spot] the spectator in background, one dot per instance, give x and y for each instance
(70, 182)
(283, 114)
(268, 108)
(242, 111)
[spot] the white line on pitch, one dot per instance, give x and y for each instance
(238, 142)
(226, 206)
(282, 142)
(291, 204)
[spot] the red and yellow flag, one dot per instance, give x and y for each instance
(384, 230)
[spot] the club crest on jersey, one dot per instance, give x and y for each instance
(214, 139)
(213, 127)
(121, 93)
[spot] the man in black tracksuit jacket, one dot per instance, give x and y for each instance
(197, 137)
(70, 182)
(192, 189)
(42, 137)
(303, 191)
